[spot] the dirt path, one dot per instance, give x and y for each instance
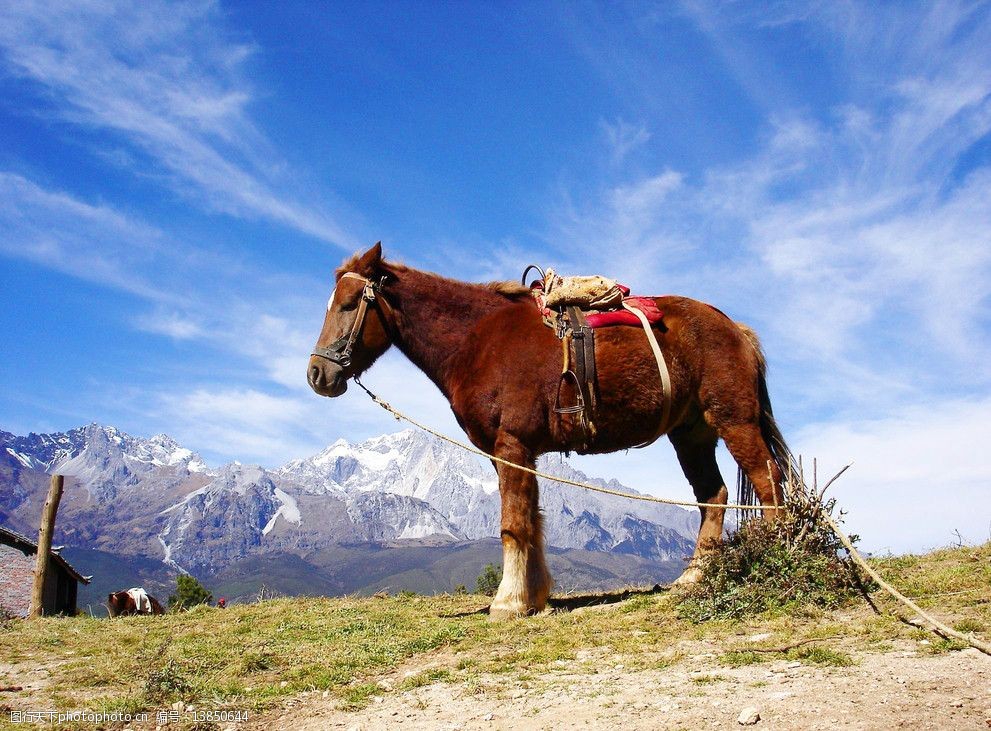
(898, 689)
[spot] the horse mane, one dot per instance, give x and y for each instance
(511, 290)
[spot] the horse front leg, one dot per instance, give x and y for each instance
(526, 582)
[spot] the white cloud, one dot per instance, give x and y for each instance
(632, 229)
(622, 138)
(194, 293)
(858, 240)
(92, 242)
(242, 423)
(270, 426)
(918, 474)
(172, 324)
(163, 77)
(854, 242)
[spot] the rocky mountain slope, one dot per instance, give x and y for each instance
(153, 498)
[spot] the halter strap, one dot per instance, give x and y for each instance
(339, 351)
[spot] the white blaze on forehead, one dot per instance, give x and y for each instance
(330, 302)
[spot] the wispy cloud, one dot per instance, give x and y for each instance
(251, 401)
(170, 323)
(858, 239)
(166, 81)
(190, 293)
(254, 425)
(95, 243)
(919, 460)
(270, 426)
(622, 138)
(915, 474)
(637, 219)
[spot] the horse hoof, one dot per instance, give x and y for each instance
(504, 611)
(688, 577)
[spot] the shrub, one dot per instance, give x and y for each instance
(488, 581)
(770, 565)
(188, 593)
(167, 682)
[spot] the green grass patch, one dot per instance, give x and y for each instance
(255, 656)
(821, 655)
(435, 675)
(358, 696)
(742, 658)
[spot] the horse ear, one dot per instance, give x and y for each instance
(368, 261)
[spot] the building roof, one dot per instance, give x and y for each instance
(17, 540)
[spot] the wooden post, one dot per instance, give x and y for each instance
(45, 545)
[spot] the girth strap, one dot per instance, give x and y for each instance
(662, 368)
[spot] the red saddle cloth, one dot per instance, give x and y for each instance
(625, 317)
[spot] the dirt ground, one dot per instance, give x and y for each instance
(904, 688)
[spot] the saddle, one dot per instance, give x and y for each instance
(574, 307)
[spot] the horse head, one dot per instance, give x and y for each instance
(117, 603)
(356, 327)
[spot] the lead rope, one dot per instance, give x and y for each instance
(935, 625)
(594, 488)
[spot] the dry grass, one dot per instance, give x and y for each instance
(251, 657)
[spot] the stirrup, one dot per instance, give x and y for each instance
(580, 405)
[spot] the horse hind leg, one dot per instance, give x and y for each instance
(696, 450)
(746, 443)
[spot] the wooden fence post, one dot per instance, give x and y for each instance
(45, 545)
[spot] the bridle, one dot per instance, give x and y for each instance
(339, 351)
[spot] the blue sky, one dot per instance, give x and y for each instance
(179, 180)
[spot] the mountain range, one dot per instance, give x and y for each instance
(317, 525)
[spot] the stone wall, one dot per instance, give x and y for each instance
(16, 580)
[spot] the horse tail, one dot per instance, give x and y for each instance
(769, 429)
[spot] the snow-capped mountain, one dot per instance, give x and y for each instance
(152, 497)
(465, 492)
(410, 464)
(102, 458)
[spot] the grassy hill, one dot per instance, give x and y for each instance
(424, 567)
(259, 656)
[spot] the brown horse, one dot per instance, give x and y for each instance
(123, 604)
(487, 350)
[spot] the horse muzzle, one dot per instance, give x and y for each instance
(326, 378)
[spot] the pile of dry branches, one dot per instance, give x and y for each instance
(777, 564)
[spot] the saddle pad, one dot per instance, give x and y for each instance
(625, 317)
(141, 601)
